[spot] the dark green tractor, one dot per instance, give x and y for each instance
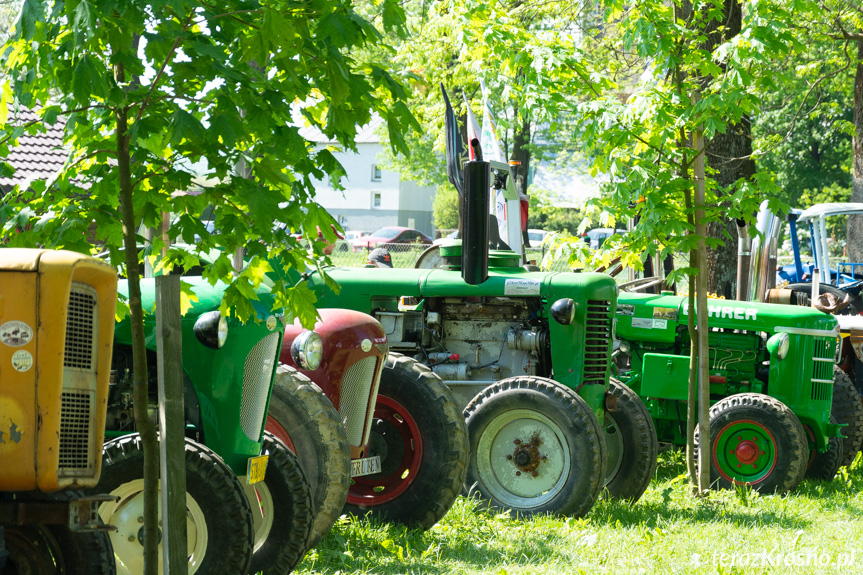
(772, 386)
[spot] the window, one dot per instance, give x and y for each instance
(376, 199)
(376, 173)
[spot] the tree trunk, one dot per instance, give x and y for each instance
(729, 155)
(855, 223)
(701, 319)
(140, 396)
(521, 151)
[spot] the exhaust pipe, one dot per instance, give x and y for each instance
(474, 244)
(744, 257)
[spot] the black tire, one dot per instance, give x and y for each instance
(215, 499)
(824, 465)
(536, 447)
(848, 409)
(306, 421)
(782, 434)
(805, 290)
(421, 437)
(631, 443)
(281, 511)
(52, 549)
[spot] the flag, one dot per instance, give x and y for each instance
(454, 147)
(473, 131)
(490, 145)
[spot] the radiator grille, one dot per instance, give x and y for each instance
(597, 339)
(80, 328)
(354, 402)
(257, 375)
(822, 371)
(76, 415)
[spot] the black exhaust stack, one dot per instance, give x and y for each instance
(474, 245)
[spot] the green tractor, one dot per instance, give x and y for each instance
(773, 386)
(524, 353)
(238, 519)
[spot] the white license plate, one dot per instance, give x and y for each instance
(365, 466)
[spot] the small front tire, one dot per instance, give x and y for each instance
(535, 447)
(756, 440)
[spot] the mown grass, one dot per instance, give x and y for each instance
(816, 529)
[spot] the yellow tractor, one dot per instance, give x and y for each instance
(56, 332)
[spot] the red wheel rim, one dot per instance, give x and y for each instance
(276, 429)
(378, 489)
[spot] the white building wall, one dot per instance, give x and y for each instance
(401, 203)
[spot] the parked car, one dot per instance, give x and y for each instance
(536, 237)
(391, 235)
(596, 236)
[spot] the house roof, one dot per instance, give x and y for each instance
(36, 157)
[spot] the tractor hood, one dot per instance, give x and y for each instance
(360, 285)
(656, 317)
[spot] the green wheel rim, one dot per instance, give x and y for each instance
(744, 452)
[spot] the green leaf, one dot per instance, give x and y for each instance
(31, 13)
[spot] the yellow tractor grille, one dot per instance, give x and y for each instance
(354, 402)
(257, 375)
(80, 328)
(597, 339)
(76, 414)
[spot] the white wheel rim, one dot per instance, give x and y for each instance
(614, 447)
(125, 514)
(503, 479)
(261, 502)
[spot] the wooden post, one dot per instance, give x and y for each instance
(172, 445)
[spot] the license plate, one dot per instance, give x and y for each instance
(365, 466)
(256, 469)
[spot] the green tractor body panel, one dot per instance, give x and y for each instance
(378, 291)
(232, 384)
(742, 357)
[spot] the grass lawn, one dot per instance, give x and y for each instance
(816, 529)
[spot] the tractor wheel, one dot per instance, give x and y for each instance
(535, 447)
(52, 549)
(281, 511)
(824, 465)
(756, 440)
(218, 517)
(421, 438)
(306, 421)
(631, 443)
(847, 409)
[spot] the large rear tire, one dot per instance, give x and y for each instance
(218, 516)
(848, 409)
(304, 419)
(535, 447)
(630, 439)
(281, 511)
(756, 440)
(823, 466)
(420, 435)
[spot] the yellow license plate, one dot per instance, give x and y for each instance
(256, 469)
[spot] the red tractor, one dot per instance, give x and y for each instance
(376, 432)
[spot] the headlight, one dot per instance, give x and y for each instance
(211, 329)
(307, 350)
(779, 345)
(563, 311)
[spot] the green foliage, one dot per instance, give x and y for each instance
(211, 91)
(445, 207)
(544, 215)
(666, 531)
